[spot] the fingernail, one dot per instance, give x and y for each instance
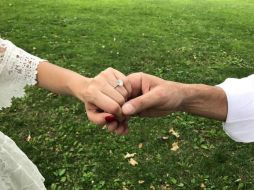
(128, 109)
(110, 118)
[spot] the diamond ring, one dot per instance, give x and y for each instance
(118, 83)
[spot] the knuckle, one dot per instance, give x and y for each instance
(125, 94)
(126, 81)
(121, 101)
(115, 109)
(127, 85)
(109, 69)
(102, 74)
(141, 73)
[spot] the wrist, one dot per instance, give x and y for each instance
(204, 100)
(189, 95)
(176, 96)
(78, 86)
(194, 95)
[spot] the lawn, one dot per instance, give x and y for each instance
(192, 41)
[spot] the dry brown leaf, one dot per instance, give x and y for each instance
(28, 138)
(173, 132)
(140, 145)
(202, 185)
(141, 181)
(128, 155)
(165, 187)
(175, 146)
(133, 162)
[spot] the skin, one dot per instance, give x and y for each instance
(99, 94)
(96, 93)
(148, 96)
(154, 97)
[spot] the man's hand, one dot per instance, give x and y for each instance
(153, 96)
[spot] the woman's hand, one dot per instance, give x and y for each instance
(103, 100)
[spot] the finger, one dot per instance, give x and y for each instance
(106, 104)
(141, 103)
(111, 76)
(114, 94)
(126, 131)
(96, 117)
(121, 128)
(135, 80)
(127, 85)
(112, 126)
(110, 119)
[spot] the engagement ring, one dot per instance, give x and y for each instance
(118, 83)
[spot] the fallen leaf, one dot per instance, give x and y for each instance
(175, 146)
(141, 181)
(28, 138)
(165, 138)
(128, 155)
(152, 187)
(173, 132)
(140, 145)
(202, 185)
(165, 187)
(133, 162)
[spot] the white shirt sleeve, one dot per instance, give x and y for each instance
(239, 124)
(17, 69)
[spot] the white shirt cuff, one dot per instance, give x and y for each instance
(239, 124)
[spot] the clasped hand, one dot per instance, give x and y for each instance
(141, 94)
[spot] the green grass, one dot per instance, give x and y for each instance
(193, 41)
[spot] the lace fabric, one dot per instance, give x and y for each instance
(17, 69)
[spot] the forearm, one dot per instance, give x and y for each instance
(204, 100)
(60, 80)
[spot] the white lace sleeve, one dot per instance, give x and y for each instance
(17, 69)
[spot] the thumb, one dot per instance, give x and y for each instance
(139, 104)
